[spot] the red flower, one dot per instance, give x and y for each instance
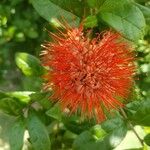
(89, 74)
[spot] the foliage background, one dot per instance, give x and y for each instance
(27, 119)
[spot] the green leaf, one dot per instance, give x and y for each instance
(147, 139)
(12, 130)
(95, 3)
(55, 112)
(90, 22)
(145, 10)
(29, 64)
(123, 17)
(98, 138)
(98, 132)
(38, 133)
(43, 98)
(6, 121)
(49, 11)
(117, 129)
(16, 134)
(112, 124)
(75, 123)
(10, 106)
(69, 137)
(85, 141)
(73, 6)
(23, 96)
(139, 112)
(115, 138)
(132, 107)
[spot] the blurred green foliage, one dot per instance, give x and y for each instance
(21, 30)
(26, 111)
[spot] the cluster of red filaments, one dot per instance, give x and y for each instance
(86, 74)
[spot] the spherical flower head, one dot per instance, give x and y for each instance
(89, 75)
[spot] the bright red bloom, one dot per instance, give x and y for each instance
(89, 74)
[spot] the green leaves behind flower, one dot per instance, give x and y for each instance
(57, 9)
(38, 133)
(90, 21)
(43, 98)
(16, 134)
(13, 103)
(99, 137)
(29, 64)
(139, 112)
(124, 17)
(17, 114)
(145, 10)
(147, 139)
(55, 112)
(11, 106)
(72, 122)
(13, 131)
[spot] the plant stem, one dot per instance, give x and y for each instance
(131, 126)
